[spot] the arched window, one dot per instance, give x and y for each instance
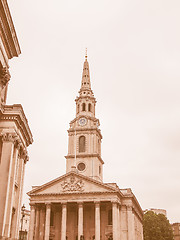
(89, 107)
(110, 217)
(82, 144)
(83, 107)
(78, 108)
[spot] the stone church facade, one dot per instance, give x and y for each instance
(79, 205)
(15, 135)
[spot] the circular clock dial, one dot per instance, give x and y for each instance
(82, 121)
(81, 166)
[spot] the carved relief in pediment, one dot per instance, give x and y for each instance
(72, 185)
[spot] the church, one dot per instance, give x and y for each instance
(79, 205)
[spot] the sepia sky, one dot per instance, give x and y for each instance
(134, 57)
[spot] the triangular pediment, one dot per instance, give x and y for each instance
(72, 183)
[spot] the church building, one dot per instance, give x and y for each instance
(79, 205)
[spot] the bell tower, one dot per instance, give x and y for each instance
(84, 148)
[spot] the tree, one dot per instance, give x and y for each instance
(156, 227)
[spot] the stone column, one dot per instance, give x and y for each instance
(63, 221)
(6, 159)
(130, 220)
(37, 223)
(97, 220)
(80, 220)
(42, 223)
(9, 213)
(23, 158)
(119, 223)
(32, 222)
(115, 220)
(47, 223)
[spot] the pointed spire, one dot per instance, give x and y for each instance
(86, 84)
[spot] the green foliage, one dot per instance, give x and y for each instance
(156, 227)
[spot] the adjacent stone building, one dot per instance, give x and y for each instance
(176, 230)
(79, 205)
(15, 135)
(24, 224)
(157, 211)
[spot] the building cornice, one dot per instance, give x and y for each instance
(85, 155)
(16, 114)
(85, 130)
(8, 32)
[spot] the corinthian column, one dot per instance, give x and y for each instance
(97, 220)
(32, 222)
(63, 221)
(6, 158)
(80, 220)
(37, 223)
(115, 220)
(47, 224)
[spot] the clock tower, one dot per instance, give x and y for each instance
(84, 148)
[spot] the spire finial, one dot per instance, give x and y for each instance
(86, 54)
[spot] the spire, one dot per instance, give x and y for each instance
(86, 84)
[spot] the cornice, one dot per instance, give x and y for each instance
(85, 130)
(94, 119)
(9, 36)
(72, 193)
(16, 114)
(87, 97)
(86, 155)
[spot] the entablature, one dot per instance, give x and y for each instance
(16, 114)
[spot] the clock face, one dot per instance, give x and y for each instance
(81, 166)
(82, 121)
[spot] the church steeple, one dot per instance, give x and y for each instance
(86, 83)
(84, 149)
(85, 103)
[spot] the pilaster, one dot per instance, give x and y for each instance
(130, 220)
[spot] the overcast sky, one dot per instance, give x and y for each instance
(134, 57)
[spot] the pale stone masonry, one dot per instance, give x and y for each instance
(79, 205)
(15, 135)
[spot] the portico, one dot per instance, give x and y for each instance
(74, 220)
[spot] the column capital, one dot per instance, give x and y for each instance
(64, 203)
(48, 204)
(115, 202)
(32, 206)
(80, 203)
(4, 76)
(24, 154)
(9, 137)
(97, 202)
(129, 207)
